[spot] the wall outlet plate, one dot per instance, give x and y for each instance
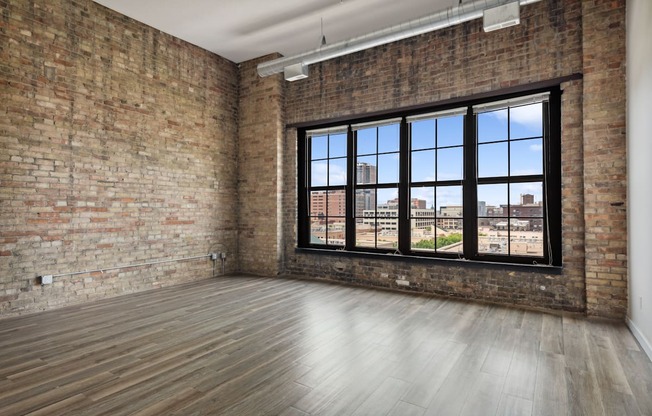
(46, 279)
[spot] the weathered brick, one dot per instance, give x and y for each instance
(92, 116)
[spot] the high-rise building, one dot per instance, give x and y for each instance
(365, 173)
(365, 199)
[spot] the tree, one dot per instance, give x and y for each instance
(441, 242)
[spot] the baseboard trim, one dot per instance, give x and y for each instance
(647, 347)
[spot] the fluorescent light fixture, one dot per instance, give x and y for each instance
(502, 16)
(295, 72)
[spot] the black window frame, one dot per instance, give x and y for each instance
(551, 179)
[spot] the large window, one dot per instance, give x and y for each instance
(479, 180)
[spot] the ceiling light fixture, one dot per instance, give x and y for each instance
(501, 17)
(295, 72)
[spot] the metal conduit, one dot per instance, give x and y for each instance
(148, 263)
(443, 19)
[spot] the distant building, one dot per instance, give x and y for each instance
(527, 199)
(482, 209)
(414, 203)
(365, 173)
(364, 198)
(388, 215)
(331, 205)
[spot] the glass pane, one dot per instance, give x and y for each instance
(365, 170)
(526, 157)
(450, 131)
(388, 168)
(319, 147)
(318, 204)
(423, 166)
(422, 234)
(318, 172)
(525, 199)
(423, 134)
(494, 198)
(317, 231)
(492, 126)
(422, 197)
(366, 141)
(450, 165)
(388, 138)
(526, 121)
(336, 204)
(388, 201)
(526, 239)
(387, 233)
(450, 242)
(449, 201)
(492, 235)
(337, 172)
(365, 203)
(336, 231)
(337, 145)
(389, 210)
(365, 233)
(492, 160)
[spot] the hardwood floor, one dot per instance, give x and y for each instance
(254, 346)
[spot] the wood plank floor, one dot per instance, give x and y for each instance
(254, 346)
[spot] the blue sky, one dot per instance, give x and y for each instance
(443, 160)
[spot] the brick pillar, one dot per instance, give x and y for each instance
(605, 181)
(260, 156)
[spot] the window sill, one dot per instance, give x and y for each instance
(537, 268)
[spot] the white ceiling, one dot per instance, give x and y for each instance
(240, 30)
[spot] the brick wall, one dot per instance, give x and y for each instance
(260, 183)
(552, 41)
(117, 146)
(605, 176)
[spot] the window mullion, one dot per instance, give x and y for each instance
(303, 178)
(349, 237)
(404, 190)
(470, 189)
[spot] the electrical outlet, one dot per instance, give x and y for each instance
(213, 256)
(222, 256)
(46, 280)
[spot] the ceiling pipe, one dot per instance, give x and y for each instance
(465, 12)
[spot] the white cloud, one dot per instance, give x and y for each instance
(337, 175)
(536, 147)
(318, 173)
(526, 115)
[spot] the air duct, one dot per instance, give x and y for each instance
(465, 12)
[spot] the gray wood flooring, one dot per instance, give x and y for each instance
(262, 346)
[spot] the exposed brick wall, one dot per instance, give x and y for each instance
(260, 181)
(461, 61)
(117, 145)
(605, 179)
